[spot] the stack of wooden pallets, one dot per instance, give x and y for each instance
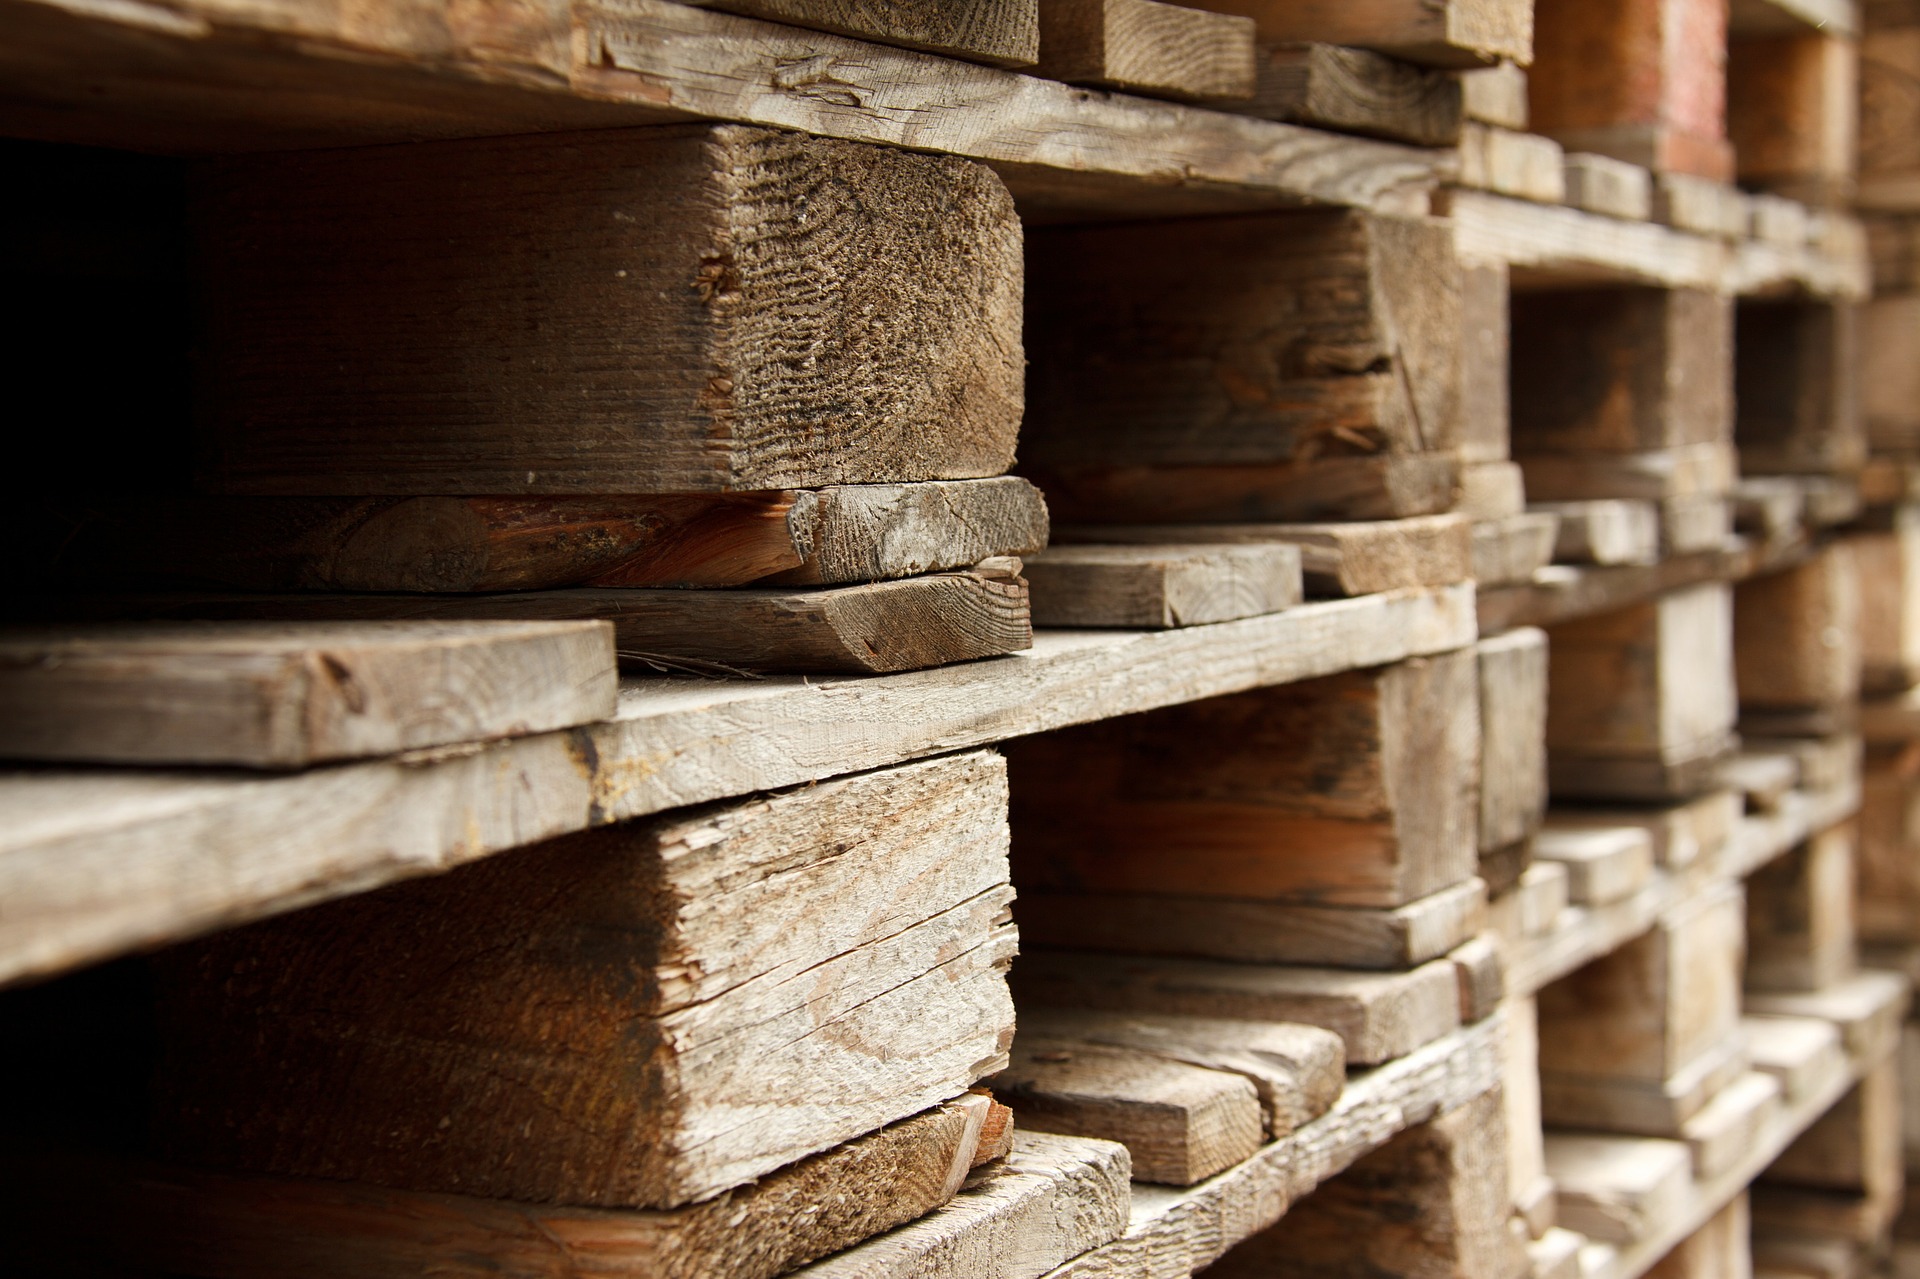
(1041, 638)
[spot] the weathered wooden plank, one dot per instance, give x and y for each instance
(871, 628)
(1617, 1189)
(1450, 33)
(1605, 531)
(1496, 95)
(1255, 931)
(1603, 864)
(1728, 1126)
(337, 352)
(142, 1218)
(1507, 162)
(1296, 1071)
(1513, 736)
(1145, 46)
(1698, 204)
(1432, 1201)
(1378, 1016)
(270, 695)
(641, 1016)
(1003, 32)
(1698, 830)
(1803, 1053)
(1351, 791)
(1721, 1249)
(1347, 558)
(1602, 184)
(1299, 341)
(96, 864)
(846, 533)
(1159, 586)
(1356, 91)
(1328, 487)
(1853, 1149)
(1644, 82)
(1511, 550)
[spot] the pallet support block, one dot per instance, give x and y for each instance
(1800, 915)
(1796, 636)
(1797, 382)
(642, 984)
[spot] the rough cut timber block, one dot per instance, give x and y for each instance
(1255, 931)
(267, 695)
(1803, 1053)
(1602, 184)
(1693, 831)
(1180, 1123)
(1604, 531)
(1356, 91)
(1355, 558)
(134, 1218)
(1867, 1010)
(1721, 1249)
(1724, 1130)
(1506, 162)
(1296, 1071)
(1161, 587)
(1356, 790)
(1510, 551)
(1003, 32)
(1482, 977)
(872, 628)
(1796, 635)
(1439, 33)
(1793, 114)
(1641, 702)
(1622, 370)
(1889, 142)
(1378, 1016)
(1800, 915)
(1513, 736)
(1853, 1151)
(1889, 383)
(1054, 1198)
(1796, 382)
(1689, 525)
(1603, 864)
(1527, 1180)
(1889, 865)
(1495, 95)
(1491, 490)
(1485, 431)
(1431, 1202)
(1145, 46)
(639, 1016)
(1532, 907)
(1281, 366)
(1617, 1189)
(1778, 220)
(801, 537)
(1888, 559)
(657, 311)
(1642, 81)
(1638, 1040)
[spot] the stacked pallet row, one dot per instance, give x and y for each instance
(1263, 853)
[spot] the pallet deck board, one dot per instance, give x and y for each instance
(100, 862)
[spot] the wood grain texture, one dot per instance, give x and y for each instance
(1356, 91)
(1255, 931)
(1889, 151)
(1796, 380)
(152, 1218)
(98, 864)
(1180, 1123)
(876, 627)
(1797, 634)
(1053, 1199)
(1513, 736)
(1378, 1016)
(1145, 46)
(1348, 558)
(1620, 371)
(1617, 1189)
(1263, 341)
(1450, 33)
(1433, 1202)
(266, 695)
(1002, 32)
(1793, 111)
(1352, 791)
(1643, 81)
(1359, 488)
(642, 1016)
(739, 350)
(1159, 586)
(1296, 1071)
(846, 533)
(1508, 162)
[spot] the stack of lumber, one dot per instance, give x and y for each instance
(1042, 639)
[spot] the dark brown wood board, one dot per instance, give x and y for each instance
(1146, 46)
(1003, 32)
(1442, 33)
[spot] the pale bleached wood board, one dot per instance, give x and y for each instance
(1177, 1232)
(94, 864)
(1551, 245)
